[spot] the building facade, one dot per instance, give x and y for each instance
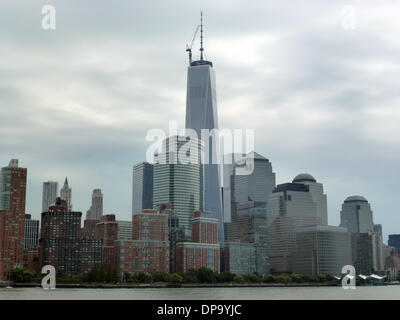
(254, 187)
(12, 217)
(317, 193)
(62, 244)
(148, 251)
(124, 230)
(179, 184)
(202, 114)
(49, 194)
(96, 210)
(290, 206)
(356, 215)
(31, 232)
(66, 194)
(204, 251)
(322, 250)
(142, 190)
(394, 241)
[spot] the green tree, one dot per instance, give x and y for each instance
(174, 278)
(238, 278)
(205, 275)
(22, 275)
(225, 277)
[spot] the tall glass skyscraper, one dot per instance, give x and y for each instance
(142, 190)
(317, 193)
(179, 184)
(201, 113)
(356, 215)
(49, 195)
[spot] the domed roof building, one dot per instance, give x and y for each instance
(356, 215)
(304, 177)
(355, 198)
(318, 196)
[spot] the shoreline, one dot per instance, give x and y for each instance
(171, 285)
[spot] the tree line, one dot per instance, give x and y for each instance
(102, 274)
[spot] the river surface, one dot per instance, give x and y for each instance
(307, 293)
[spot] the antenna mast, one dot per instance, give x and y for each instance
(201, 36)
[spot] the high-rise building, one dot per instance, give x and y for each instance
(254, 187)
(148, 251)
(179, 184)
(321, 250)
(31, 232)
(356, 215)
(107, 233)
(201, 113)
(239, 258)
(176, 233)
(59, 238)
(61, 243)
(96, 210)
(362, 253)
(49, 194)
(394, 241)
(229, 166)
(124, 230)
(66, 194)
(107, 230)
(290, 206)
(318, 196)
(248, 238)
(204, 250)
(378, 229)
(12, 217)
(142, 190)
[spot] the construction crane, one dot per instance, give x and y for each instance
(189, 48)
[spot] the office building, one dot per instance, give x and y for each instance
(356, 215)
(31, 232)
(317, 193)
(96, 210)
(254, 187)
(179, 184)
(12, 217)
(201, 113)
(124, 230)
(322, 250)
(394, 241)
(142, 191)
(49, 194)
(290, 206)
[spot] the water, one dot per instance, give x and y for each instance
(308, 293)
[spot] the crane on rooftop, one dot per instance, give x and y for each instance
(189, 48)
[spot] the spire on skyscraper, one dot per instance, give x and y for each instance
(201, 36)
(66, 184)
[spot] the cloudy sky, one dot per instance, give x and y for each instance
(319, 84)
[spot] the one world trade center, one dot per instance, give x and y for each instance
(201, 113)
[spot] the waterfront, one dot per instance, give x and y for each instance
(269, 293)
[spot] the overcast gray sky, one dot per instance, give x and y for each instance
(322, 93)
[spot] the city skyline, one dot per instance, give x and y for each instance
(337, 155)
